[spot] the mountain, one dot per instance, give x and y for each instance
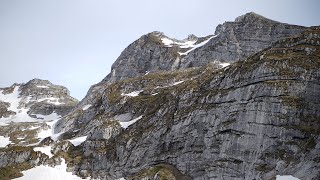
(155, 52)
(240, 104)
(27, 114)
(251, 120)
(231, 42)
(34, 101)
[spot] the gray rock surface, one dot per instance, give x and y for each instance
(4, 112)
(237, 40)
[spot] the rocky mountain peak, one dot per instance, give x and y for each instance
(38, 81)
(191, 37)
(252, 17)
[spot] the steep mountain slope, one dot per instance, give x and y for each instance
(156, 52)
(252, 120)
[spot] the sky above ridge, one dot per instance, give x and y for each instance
(74, 42)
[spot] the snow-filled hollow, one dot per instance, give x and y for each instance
(85, 107)
(45, 150)
(77, 141)
(125, 125)
(132, 94)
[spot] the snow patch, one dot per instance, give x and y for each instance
(77, 141)
(49, 132)
(176, 83)
(43, 87)
(286, 177)
(12, 98)
(86, 107)
(125, 125)
(182, 44)
(45, 150)
(197, 46)
(4, 141)
(224, 64)
(3, 124)
(132, 94)
(49, 173)
(32, 128)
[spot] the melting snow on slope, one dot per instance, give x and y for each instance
(21, 113)
(125, 125)
(77, 141)
(12, 98)
(42, 86)
(286, 177)
(45, 149)
(224, 64)
(132, 94)
(3, 124)
(49, 173)
(49, 132)
(86, 107)
(176, 83)
(4, 141)
(197, 46)
(169, 43)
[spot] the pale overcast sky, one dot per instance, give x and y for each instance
(74, 42)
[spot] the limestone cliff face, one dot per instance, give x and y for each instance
(240, 39)
(251, 120)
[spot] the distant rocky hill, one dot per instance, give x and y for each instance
(34, 101)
